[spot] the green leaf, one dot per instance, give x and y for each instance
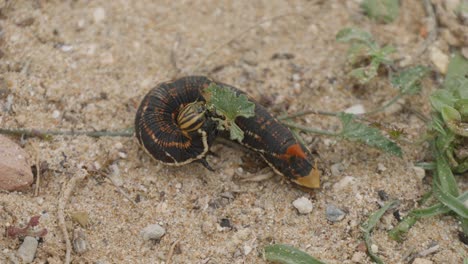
(450, 201)
(444, 176)
(347, 35)
(402, 228)
(408, 80)
(226, 103)
(364, 74)
(441, 98)
(453, 120)
(286, 254)
(374, 218)
(461, 106)
(381, 10)
(450, 114)
(456, 79)
(368, 225)
(355, 131)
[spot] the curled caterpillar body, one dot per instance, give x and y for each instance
(173, 126)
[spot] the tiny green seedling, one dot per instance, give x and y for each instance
(363, 48)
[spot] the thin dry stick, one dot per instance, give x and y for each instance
(171, 251)
(68, 189)
(239, 35)
(119, 188)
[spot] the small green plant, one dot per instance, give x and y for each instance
(364, 49)
(449, 126)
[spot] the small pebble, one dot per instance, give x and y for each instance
(358, 257)
(80, 245)
(247, 249)
(152, 232)
(420, 172)
(303, 205)
(15, 171)
(334, 214)
(56, 114)
(355, 109)
(422, 261)
(99, 15)
(381, 167)
(27, 250)
(336, 169)
(439, 59)
(375, 248)
(296, 77)
(81, 217)
(343, 183)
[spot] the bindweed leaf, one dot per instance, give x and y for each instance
(355, 131)
(286, 254)
(226, 103)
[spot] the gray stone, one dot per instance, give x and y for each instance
(334, 213)
(152, 232)
(27, 250)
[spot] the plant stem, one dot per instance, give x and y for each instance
(48, 133)
(311, 130)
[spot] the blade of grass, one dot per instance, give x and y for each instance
(369, 225)
(286, 254)
(450, 201)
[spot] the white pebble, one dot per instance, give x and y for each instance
(439, 59)
(375, 248)
(27, 250)
(343, 183)
(336, 169)
(381, 167)
(247, 249)
(420, 172)
(355, 109)
(296, 77)
(56, 114)
(152, 232)
(303, 205)
(99, 14)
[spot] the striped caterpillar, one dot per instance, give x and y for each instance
(173, 126)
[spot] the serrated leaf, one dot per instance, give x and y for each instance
(380, 55)
(356, 131)
(226, 103)
(381, 10)
(408, 80)
(353, 34)
(286, 254)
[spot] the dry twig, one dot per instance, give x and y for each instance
(68, 189)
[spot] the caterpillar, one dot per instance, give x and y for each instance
(173, 126)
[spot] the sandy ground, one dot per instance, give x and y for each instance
(87, 64)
